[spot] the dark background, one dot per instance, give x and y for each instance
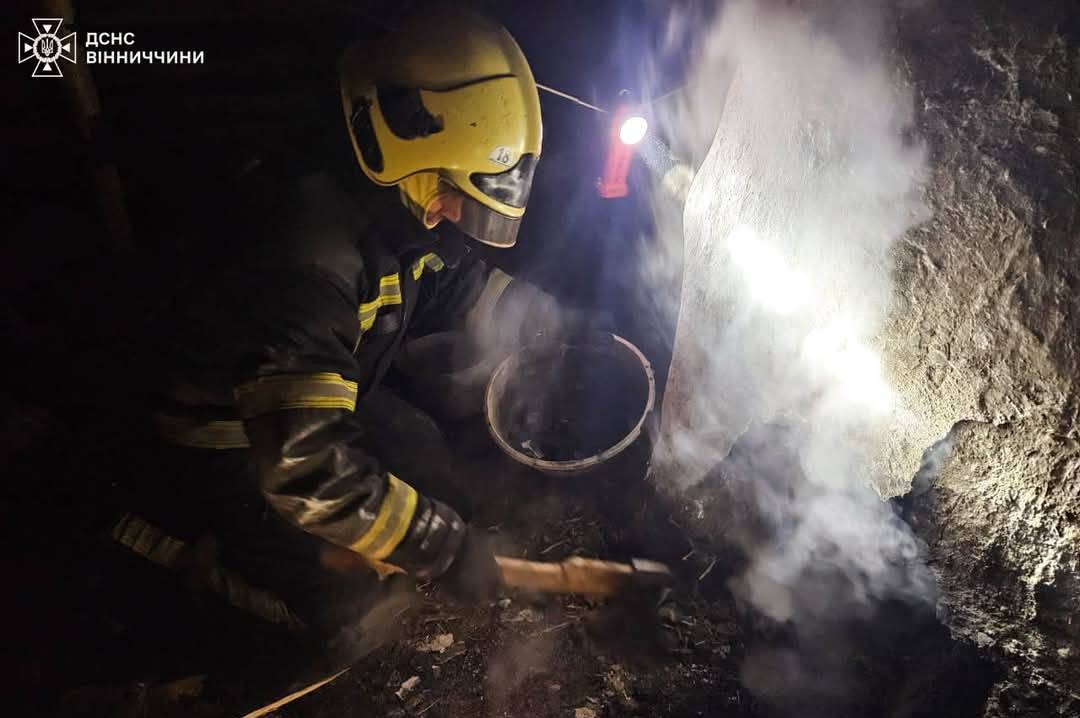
(180, 134)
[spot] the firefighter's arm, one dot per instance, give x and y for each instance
(295, 397)
(496, 309)
(312, 473)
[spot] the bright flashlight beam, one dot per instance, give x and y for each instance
(853, 367)
(833, 352)
(633, 130)
(771, 281)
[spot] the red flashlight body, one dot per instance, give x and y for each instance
(619, 156)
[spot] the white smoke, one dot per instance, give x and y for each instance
(784, 250)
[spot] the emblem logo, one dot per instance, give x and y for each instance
(48, 48)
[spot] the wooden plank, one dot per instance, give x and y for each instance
(299, 693)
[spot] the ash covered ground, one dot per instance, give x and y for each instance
(572, 657)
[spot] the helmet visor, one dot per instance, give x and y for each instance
(510, 187)
(486, 225)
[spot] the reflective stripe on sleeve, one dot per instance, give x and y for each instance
(429, 261)
(326, 390)
(389, 295)
(147, 540)
(196, 434)
(391, 523)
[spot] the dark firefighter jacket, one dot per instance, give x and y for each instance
(287, 329)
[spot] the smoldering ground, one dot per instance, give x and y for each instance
(783, 249)
(797, 124)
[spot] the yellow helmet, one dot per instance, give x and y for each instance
(447, 99)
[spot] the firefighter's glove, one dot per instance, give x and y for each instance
(474, 576)
(441, 547)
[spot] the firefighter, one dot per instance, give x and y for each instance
(276, 359)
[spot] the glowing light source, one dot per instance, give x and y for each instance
(628, 128)
(633, 129)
